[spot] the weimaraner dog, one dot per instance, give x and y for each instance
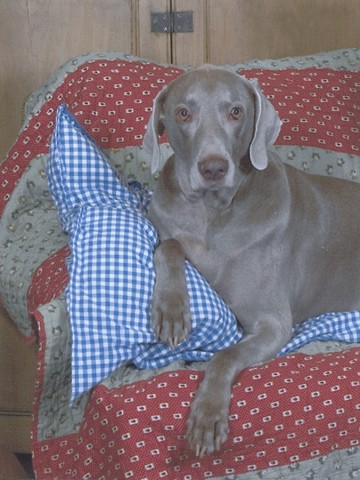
(277, 244)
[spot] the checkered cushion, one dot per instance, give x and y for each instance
(111, 267)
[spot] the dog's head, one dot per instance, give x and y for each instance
(214, 120)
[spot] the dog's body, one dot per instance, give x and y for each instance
(277, 244)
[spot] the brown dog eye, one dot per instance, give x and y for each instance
(236, 113)
(184, 115)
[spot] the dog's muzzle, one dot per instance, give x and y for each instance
(213, 168)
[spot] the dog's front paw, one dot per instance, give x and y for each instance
(171, 318)
(207, 426)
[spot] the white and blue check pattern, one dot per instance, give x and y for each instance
(112, 273)
(335, 326)
(111, 268)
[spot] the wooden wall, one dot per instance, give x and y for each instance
(36, 36)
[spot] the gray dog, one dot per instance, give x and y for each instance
(277, 244)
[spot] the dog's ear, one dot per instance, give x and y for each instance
(155, 128)
(267, 128)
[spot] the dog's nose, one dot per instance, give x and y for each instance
(213, 168)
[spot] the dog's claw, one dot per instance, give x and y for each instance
(175, 341)
(171, 323)
(207, 425)
(200, 451)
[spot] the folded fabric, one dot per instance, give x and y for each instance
(112, 273)
(335, 326)
(111, 268)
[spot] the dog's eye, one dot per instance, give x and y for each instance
(184, 115)
(236, 113)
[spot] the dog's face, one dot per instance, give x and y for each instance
(214, 120)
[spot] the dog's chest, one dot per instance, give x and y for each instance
(205, 240)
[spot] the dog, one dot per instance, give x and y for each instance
(279, 245)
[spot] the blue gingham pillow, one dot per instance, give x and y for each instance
(111, 268)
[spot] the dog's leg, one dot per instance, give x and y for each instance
(207, 426)
(170, 307)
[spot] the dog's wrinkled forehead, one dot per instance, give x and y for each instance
(208, 81)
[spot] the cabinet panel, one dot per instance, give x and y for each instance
(15, 432)
(244, 29)
(37, 36)
(17, 369)
(75, 27)
(190, 48)
(17, 381)
(15, 73)
(154, 46)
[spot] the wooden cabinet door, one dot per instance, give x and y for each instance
(170, 47)
(191, 48)
(154, 46)
(37, 36)
(231, 31)
(17, 380)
